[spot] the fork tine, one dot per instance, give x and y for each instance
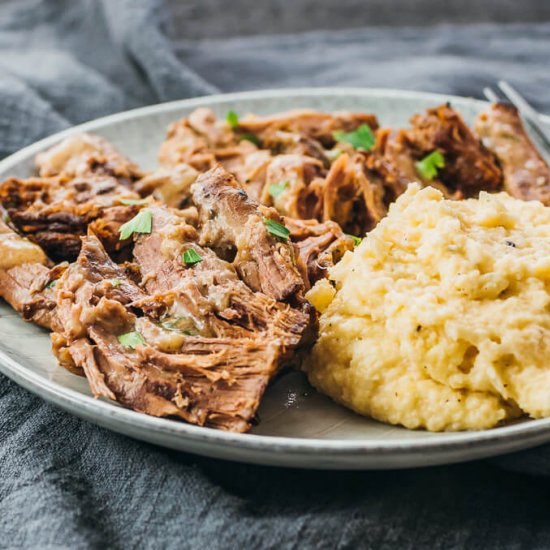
(490, 94)
(531, 117)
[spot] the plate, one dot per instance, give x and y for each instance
(299, 427)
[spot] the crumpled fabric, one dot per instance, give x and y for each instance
(65, 483)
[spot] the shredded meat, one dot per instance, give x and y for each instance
(469, 166)
(55, 212)
(233, 224)
(85, 155)
(526, 174)
(214, 375)
(319, 245)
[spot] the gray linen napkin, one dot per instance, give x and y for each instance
(65, 483)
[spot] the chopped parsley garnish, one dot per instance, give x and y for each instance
(277, 189)
(131, 339)
(362, 138)
(116, 282)
(247, 136)
(356, 240)
(232, 119)
(131, 202)
(51, 284)
(141, 223)
(191, 257)
(277, 229)
(427, 167)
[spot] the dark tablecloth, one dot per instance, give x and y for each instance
(65, 483)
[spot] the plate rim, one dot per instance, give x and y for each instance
(91, 407)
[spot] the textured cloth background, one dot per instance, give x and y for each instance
(67, 484)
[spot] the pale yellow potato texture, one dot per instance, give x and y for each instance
(440, 318)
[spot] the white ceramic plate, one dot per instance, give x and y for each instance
(298, 427)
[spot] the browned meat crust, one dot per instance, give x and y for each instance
(526, 174)
(469, 166)
(56, 212)
(233, 224)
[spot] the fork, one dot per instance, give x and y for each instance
(531, 118)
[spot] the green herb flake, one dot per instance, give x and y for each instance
(51, 284)
(232, 119)
(116, 282)
(141, 223)
(277, 189)
(277, 229)
(131, 339)
(356, 240)
(132, 202)
(362, 138)
(428, 167)
(191, 257)
(247, 136)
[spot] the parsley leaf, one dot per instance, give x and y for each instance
(247, 136)
(232, 119)
(362, 138)
(131, 202)
(116, 282)
(277, 229)
(277, 189)
(141, 223)
(191, 257)
(131, 339)
(427, 167)
(51, 284)
(356, 240)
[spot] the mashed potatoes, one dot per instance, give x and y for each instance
(440, 319)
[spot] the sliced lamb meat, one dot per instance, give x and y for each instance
(85, 155)
(203, 376)
(312, 124)
(526, 174)
(469, 166)
(56, 212)
(232, 223)
(25, 288)
(320, 246)
(294, 186)
(208, 294)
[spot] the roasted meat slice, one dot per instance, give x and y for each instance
(55, 212)
(183, 363)
(85, 155)
(469, 166)
(526, 174)
(234, 225)
(308, 123)
(24, 277)
(320, 246)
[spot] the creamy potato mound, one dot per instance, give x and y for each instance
(440, 319)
